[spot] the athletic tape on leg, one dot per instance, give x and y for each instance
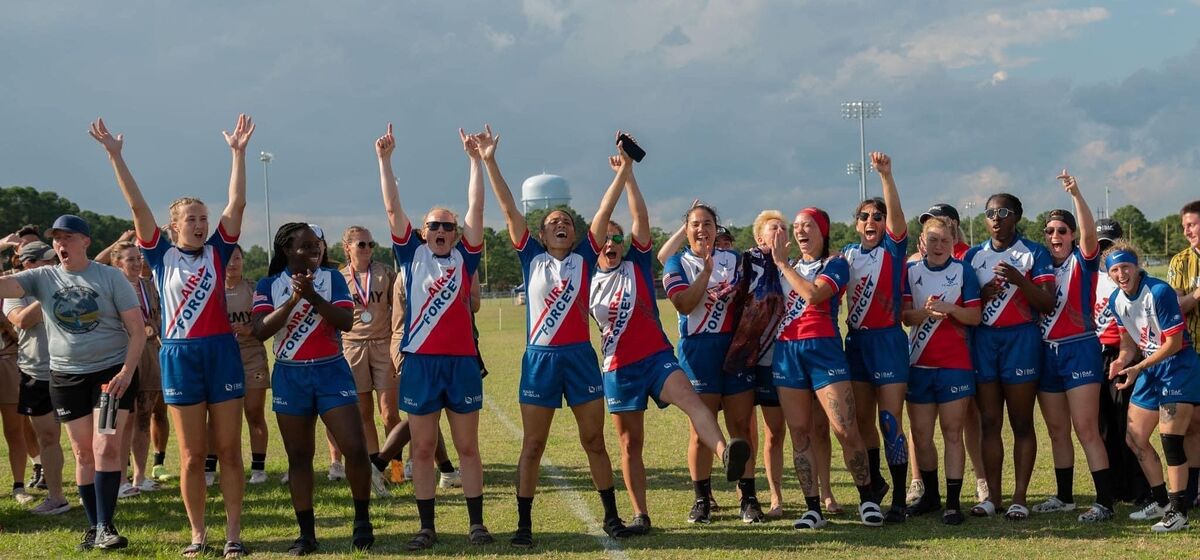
(895, 443)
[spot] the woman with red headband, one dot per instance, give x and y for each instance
(809, 360)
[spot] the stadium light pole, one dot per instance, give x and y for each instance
(970, 224)
(862, 110)
(265, 158)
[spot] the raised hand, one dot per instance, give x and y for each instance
(779, 246)
(625, 159)
(881, 162)
(127, 235)
(302, 283)
(614, 162)
(385, 144)
(112, 144)
(470, 144)
(1068, 183)
(241, 133)
(487, 142)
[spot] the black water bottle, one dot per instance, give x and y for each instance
(107, 411)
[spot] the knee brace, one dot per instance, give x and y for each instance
(894, 441)
(1173, 450)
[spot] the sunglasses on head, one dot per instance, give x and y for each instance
(365, 244)
(1060, 229)
(444, 226)
(998, 213)
(876, 216)
(617, 238)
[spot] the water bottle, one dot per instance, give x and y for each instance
(107, 411)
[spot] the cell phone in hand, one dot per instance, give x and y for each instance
(635, 151)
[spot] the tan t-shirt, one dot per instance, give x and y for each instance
(376, 286)
(239, 299)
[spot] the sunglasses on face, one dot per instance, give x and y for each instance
(874, 216)
(1060, 229)
(998, 213)
(617, 238)
(444, 226)
(365, 244)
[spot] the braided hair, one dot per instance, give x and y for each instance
(283, 240)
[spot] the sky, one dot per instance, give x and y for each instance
(736, 102)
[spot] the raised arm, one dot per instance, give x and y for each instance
(143, 217)
(895, 213)
(517, 228)
(812, 292)
(231, 218)
(105, 256)
(640, 228)
(673, 244)
(612, 194)
(1089, 242)
(397, 219)
(485, 145)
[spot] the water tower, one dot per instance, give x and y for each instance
(544, 191)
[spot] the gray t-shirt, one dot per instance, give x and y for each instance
(33, 356)
(82, 314)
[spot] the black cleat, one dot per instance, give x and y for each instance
(640, 524)
(107, 538)
(88, 542)
(701, 512)
(737, 454)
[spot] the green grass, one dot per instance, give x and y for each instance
(157, 527)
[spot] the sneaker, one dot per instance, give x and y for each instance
(701, 513)
(149, 485)
(916, 489)
(210, 478)
(337, 471)
(257, 477)
(48, 507)
(284, 479)
(751, 510)
(107, 538)
(21, 496)
(1052, 505)
(982, 494)
(640, 524)
(159, 472)
(1171, 521)
(1096, 514)
(128, 490)
(737, 454)
(452, 479)
(378, 486)
(37, 480)
(88, 542)
(1149, 511)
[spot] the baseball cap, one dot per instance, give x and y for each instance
(71, 224)
(940, 211)
(1108, 229)
(36, 251)
(721, 231)
(317, 230)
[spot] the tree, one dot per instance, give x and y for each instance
(1138, 230)
(27, 205)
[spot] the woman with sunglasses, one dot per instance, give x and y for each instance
(941, 303)
(638, 360)
(440, 369)
(239, 303)
(1069, 387)
(809, 360)
(559, 362)
(1016, 279)
(876, 348)
(1165, 383)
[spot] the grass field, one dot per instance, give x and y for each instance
(567, 506)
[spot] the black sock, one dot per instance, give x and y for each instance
(362, 510)
(475, 510)
(308, 523)
(258, 461)
(813, 503)
(1179, 502)
(703, 488)
(609, 499)
(525, 512)
(953, 489)
(425, 511)
(210, 463)
(18, 484)
(87, 495)
(108, 483)
(159, 457)
(873, 467)
(1103, 481)
(1159, 493)
(446, 466)
(899, 475)
(866, 493)
(379, 463)
(1193, 483)
(746, 485)
(930, 479)
(1065, 479)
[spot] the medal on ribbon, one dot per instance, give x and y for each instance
(363, 295)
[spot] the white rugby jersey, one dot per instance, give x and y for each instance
(306, 335)
(622, 302)
(1010, 307)
(438, 306)
(191, 283)
(556, 292)
(943, 343)
(1106, 325)
(873, 293)
(1150, 315)
(714, 314)
(1072, 315)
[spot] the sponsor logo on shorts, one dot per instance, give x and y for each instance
(474, 399)
(280, 401)
(1080, 374)
(61, 411)
(593, 389)
(346, 393)
(836, 372)
(172, 392)
(528, 393)
(613, 401)
(233, 386)
(409, 402)
(1019, 372)
(671, 365)
(1166, 392)
(885, 374)
(960, 388)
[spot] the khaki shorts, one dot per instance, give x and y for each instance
(254, 361)
(371, 363)
(149, 371)
(10, 380)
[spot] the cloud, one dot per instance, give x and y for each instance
(999, 76)
(499, 40)
(548, 14)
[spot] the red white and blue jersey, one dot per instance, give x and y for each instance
(1073, 296)
(873, 293)
(306, 336)
(801, 320)
(1106, 324)
(622, 302)
(941, 343)
(714, 314)
(556, 292)
(1150, 315)
(192, 284)
(1010, 307)
(438, 306)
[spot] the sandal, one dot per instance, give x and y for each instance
(811, 519)
(953, 517)
(870, 514)
(523, 538)
(479, 535)
(234, 549)
(303, 546)
(363, 535)
(194, 550)
(1017, 512)
(615, 528)
(424, 538)
(983, 509)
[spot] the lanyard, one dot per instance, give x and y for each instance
(363, 297)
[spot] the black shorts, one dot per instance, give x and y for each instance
(34, 399)
(74, 396)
